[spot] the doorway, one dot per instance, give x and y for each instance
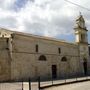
(85, 67)
(54, 71)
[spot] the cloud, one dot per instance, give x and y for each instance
(42, 17)
(8, 22)
(6, 4)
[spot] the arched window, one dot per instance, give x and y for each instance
(42, 58)
(64, 59)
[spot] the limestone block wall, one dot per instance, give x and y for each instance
(25, 60)
(5, 63)
(84, 56)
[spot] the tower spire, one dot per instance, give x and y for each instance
(80, 22)
(80, 30)
(80, 13)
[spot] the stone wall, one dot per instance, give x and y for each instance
(26, 63)
(5, 61)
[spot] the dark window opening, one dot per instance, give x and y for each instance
(64, 59)
(2, 35)
(59, 50)
(42, 58)
(7, 40)
(36, 48)
(83, 37)
(12, 35)
(89, 51)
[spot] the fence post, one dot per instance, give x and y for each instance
(76, 79)
(39, 83)
(29, 84)
(22, 84)
(86, 77)
(65, 80)
(52, 81)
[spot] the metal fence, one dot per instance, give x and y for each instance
(56, 82)
(40, 84)
(20, 85)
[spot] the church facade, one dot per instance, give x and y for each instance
(24, 56)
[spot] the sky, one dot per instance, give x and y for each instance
(51, 18)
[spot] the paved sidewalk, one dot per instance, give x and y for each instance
(75, 86)
(63, 82)
(34, 85)
(10, 86)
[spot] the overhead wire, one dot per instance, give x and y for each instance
(77, 5)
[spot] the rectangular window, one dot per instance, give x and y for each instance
(36, 48)
(59, 50)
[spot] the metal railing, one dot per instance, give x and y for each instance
(56, 82)
(19, 85)
(40, 84)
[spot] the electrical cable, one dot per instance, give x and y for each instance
(77, 5)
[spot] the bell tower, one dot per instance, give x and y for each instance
(82, 42)
(81, 30)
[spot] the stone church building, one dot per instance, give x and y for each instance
(24, 56)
